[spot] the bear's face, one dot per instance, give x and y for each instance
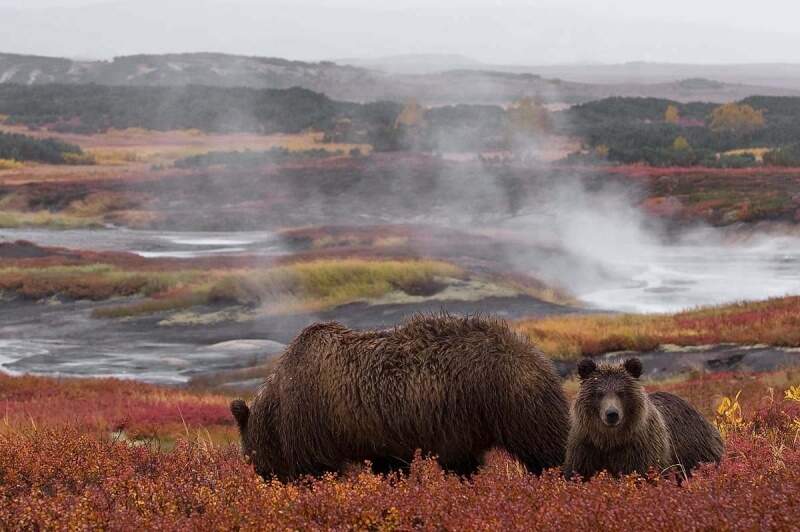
(611, 400)
(257, 429)
(241, 413)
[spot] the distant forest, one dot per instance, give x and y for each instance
(24, 148)
(625, 130)
(663, 132)
(96, 108)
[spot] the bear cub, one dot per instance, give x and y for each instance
(620, 428)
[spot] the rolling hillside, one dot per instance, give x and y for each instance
(352, 83)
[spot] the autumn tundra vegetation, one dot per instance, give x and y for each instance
(135, 195)
(373, 266)
(616, 129)
(120, 455)
(131, 164)
(771, 322)
(194, 180)
(16, 147)
(105, 453)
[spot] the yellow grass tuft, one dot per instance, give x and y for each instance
(729, 415)
(758, 153)
(14, 219)
(98, 204)
(300, 287)
(79, 159)
(98, 281)
(317, 285)
(10, 164)
(115, 156)
(391, 241)
(773, 322)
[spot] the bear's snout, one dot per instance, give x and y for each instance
(611, 410)
(612, 417)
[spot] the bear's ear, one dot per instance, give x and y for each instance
(586, 367)
(241, 413)
(634, 367)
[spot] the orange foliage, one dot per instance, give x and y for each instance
(101, 406)
(529, 117)
(671, 115)
(736, 117)
(64, 476)
(774, 322)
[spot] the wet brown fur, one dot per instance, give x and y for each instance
(449, 386)
(659, 430)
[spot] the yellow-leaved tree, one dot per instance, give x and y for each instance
(527, 116)
(681, 144)
(412, 115)
(671, 115)
(737, 118)
(529, 123)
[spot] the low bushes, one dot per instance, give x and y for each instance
(322, 284)
(96, 282)
(298, 287)
(774, 322)
(302, 286)
(24, 148)
(58, 472)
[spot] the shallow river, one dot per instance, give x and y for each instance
(63, 339)
(153, 243)
(668, 279)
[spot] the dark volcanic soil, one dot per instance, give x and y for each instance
(669, 361)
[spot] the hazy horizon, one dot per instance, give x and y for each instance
(507, 32)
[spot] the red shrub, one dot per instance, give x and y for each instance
(65, 477)
(108, 405)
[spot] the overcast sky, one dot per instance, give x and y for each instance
(492, 31)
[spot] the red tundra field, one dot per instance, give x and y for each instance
(107, 454)
(123, 455)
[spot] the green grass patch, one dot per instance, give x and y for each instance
(14, 219)
(328, 283)
(300, 287)
(95, 282)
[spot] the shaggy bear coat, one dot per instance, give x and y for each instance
(618, 427)
(453, 387)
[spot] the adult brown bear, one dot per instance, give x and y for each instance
(618, 427)
(449, 386)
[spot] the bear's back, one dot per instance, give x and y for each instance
(428, 345)
(450, 386)
(454, 342)
(694, 440)
(449, 366)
